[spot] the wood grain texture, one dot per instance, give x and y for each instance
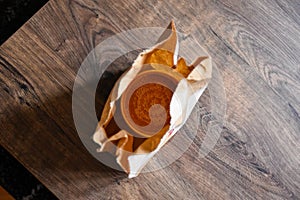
(256, 46)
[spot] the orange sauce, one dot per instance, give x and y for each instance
(146, 96)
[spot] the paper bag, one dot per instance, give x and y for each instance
(157, 75)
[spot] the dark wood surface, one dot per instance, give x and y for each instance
(256, 46)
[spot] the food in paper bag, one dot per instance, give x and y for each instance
(150, 102)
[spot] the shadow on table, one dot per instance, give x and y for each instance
(41, 134)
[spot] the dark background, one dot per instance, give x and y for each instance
(14, 13)
(20, 183)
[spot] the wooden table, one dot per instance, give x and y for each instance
(256, 45)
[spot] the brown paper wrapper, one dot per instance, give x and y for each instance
(179, 84)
